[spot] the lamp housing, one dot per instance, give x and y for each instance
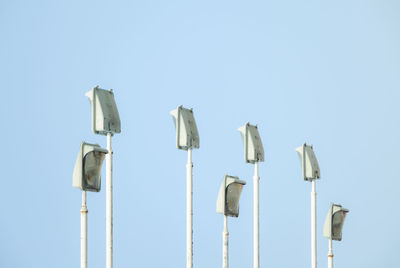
(309, 163)
(87, 171)
(187, 135)
(105, 116)
(229, 195)
(334, 222)
(253, 148)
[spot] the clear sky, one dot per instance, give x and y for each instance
(324, 72)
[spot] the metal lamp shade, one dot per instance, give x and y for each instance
(187, 135)
(309, 162)
(87, 171)
(229, 196)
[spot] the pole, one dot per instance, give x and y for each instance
(225, 244)
(256, 217)
(109, 205)
(189, 210)
(313, 226)
(84, 212)
(330, 254)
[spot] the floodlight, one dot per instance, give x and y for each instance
(105, 117)
(88, 165)
(253, 148)
(309, 162)
(187, 135)
(334, 222)
(229, 195)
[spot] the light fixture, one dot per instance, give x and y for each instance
(187, 135)
(228, 205)
(253, 148)
(105, 116)
(309, 162)
(88, 165)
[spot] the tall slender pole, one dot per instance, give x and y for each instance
(109, 205)
(225, 244)
(256, 238)
(84, 212)
(189, 210)
(313, 226)
(330, 255)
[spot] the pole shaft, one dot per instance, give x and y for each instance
(84, 212)
(330, 255)
(225, 244)
(109, 205)
(189, 210)
(256, 238)
(313, 225)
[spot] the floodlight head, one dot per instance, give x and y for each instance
(105, 117)
(229, 195)
(334, 222)
(309, 162)
(253, 148)
(88, 167)
(187, 135)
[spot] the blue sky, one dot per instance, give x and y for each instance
(324, 72)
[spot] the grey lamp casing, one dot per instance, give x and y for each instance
(334, 222)
(187, 135)
(222, 196)
(80, 177)
(105, 116)
(253, 148)
(309, 162)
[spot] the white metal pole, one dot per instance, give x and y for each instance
(313, 226)
(109, 205)
(84, 212)
(225, 244)
(189, 210)
(256, 238)
(330, 255)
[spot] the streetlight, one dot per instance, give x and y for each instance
(333, 227)
(228, 205)
(105, 121)
(311, 172)
(86, 177)
(187, 138)
(254, 153)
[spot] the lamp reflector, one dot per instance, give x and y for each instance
(92, 163)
